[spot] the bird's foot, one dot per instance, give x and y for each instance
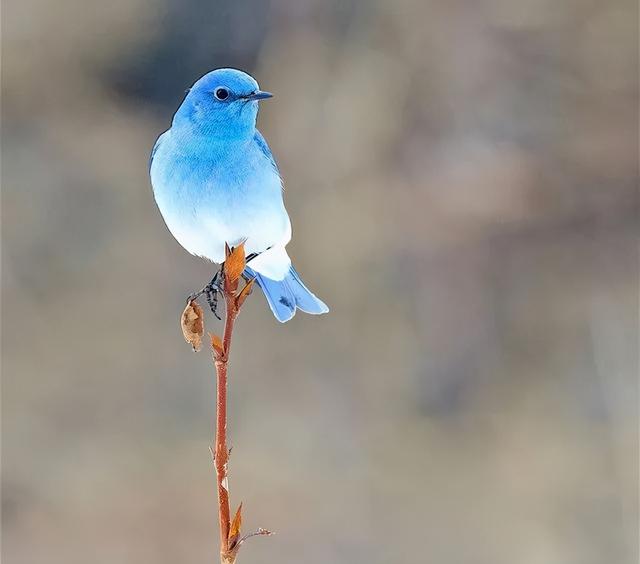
(210, 291)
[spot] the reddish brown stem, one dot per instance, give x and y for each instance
(193, 328)
(221, 450)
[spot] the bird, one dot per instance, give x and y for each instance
(216, 183)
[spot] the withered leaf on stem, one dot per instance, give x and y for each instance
(235, 263)
(236, 525)
(217, 346)
(244, 293)
(192, 323)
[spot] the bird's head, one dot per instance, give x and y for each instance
(223, 104)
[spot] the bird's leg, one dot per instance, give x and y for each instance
(210, 291)
(212, 300)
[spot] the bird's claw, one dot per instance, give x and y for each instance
(210, 291)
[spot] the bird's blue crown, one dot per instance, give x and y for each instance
(222, 105)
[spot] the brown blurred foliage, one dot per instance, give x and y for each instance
(461, 178)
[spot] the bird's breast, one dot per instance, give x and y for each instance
(210, 195)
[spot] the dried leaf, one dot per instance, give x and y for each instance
(216, 345)
(244, 293)
(192, 323)
(235, 263)
(236, 524)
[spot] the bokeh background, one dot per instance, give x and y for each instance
(461, 177)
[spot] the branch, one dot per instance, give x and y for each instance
(193, 329)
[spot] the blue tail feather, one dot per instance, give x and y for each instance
(287, 295)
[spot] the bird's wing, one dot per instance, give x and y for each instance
(262, 144)
(155, 148)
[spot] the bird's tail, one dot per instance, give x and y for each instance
(285, 295)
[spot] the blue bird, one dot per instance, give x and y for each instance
(215, 181)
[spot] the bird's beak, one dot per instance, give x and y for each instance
(259, 95)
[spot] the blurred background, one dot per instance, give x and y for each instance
(461, 177)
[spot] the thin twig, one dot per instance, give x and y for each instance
(259, 532)
(231, 275)
(220, 449)
(192, 322)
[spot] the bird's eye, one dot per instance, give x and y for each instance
(221, 93)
